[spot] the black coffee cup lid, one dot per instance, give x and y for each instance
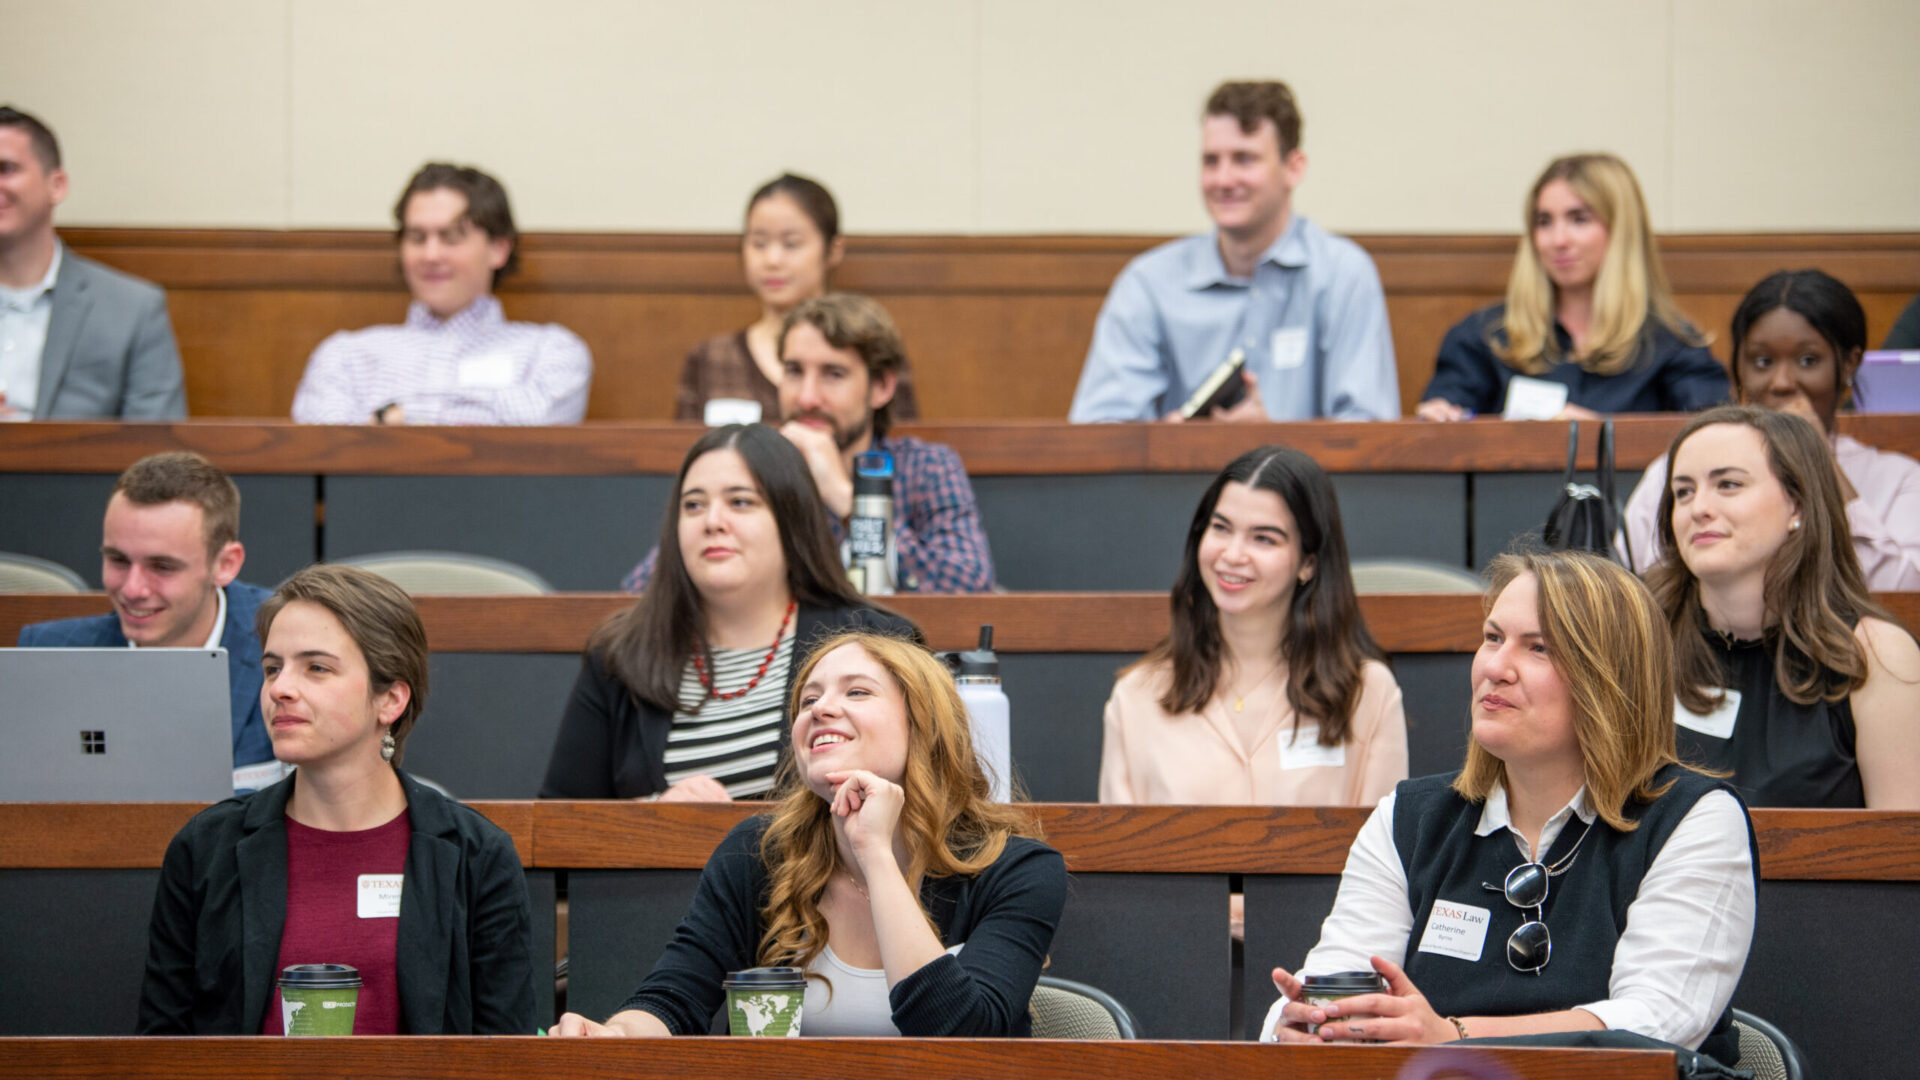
(771, 977)
(320, 977)
(1352, 982)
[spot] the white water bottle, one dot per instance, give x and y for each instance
(977, 673)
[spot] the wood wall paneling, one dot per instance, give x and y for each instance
(996, 327)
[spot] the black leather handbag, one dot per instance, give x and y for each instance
(1586, 516)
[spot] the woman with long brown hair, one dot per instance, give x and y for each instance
(680, 697)
(914, 903)
(1789, 675)
(1268, 688)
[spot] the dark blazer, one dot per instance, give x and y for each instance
(464, 961)
(110, 349)
(612, 745)
(251, 744)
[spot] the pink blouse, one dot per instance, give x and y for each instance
(1149, 756)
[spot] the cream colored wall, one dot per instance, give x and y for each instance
(991, 116)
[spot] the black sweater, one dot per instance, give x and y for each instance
(1005, 915)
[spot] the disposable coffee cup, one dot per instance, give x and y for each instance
(318, 999)
(765, 1001)
(1320, 991)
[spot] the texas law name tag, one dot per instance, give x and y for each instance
(1457, 930)
(379, 896)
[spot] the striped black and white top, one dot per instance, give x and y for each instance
(737, 742)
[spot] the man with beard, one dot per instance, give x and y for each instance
(842, 362)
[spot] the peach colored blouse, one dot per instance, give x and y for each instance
(1149, 756)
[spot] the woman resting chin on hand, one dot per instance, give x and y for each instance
(852, 861)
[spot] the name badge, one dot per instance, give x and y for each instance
(488, 371)
(379, 896)
(1302, 750)
(1533, 399)
(259, 775)
(1717, 724)
(721, 411)
(1457, 930)
(1289, 348)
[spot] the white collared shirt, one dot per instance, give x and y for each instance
(25, 315)
(1677, 962)
(219, 624)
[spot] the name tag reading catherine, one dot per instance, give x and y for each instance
(1289, 349)
(379, 896)
(1717, 724)
(1302, 750)
(488, 371)
(1457, 930)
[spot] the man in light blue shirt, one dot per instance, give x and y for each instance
(1301, 305)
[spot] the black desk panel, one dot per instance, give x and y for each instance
(581, 533)
(1126, 531)
(490, 721)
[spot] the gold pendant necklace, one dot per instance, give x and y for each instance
(1240, 702)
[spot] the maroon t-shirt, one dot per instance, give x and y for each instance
(324, 920)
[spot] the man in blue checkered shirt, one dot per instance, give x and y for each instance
(842, 358)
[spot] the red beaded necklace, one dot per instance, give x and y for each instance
(706, 677)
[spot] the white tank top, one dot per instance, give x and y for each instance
(858, 1003)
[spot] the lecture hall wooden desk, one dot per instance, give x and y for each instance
(745, 1059)
(1098, 507)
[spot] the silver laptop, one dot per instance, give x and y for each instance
(115, 725)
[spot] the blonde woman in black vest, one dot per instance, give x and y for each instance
(1573, 875)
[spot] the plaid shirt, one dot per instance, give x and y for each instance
(937, 532)
(474, 368)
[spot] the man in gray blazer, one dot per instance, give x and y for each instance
(77, 340)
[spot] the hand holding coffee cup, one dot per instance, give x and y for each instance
(1378, 1006)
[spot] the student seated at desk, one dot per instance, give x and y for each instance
(1268, 688)
(456, 360)
(790, 249)
(1588, 312)
(1574, 875)
(260, 882)
(170, 558)
(1797, 342)
(915, 904)
(681, 696)
(1789, 675)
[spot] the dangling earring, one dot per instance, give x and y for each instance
(388, 746)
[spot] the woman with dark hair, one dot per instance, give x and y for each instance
(914, 904)
(791, 246)
(1587, 307)
(1573, 875)
(281, 876)
(1789, 675)
(1268, 687)
(1797, 342)
(680, 696)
